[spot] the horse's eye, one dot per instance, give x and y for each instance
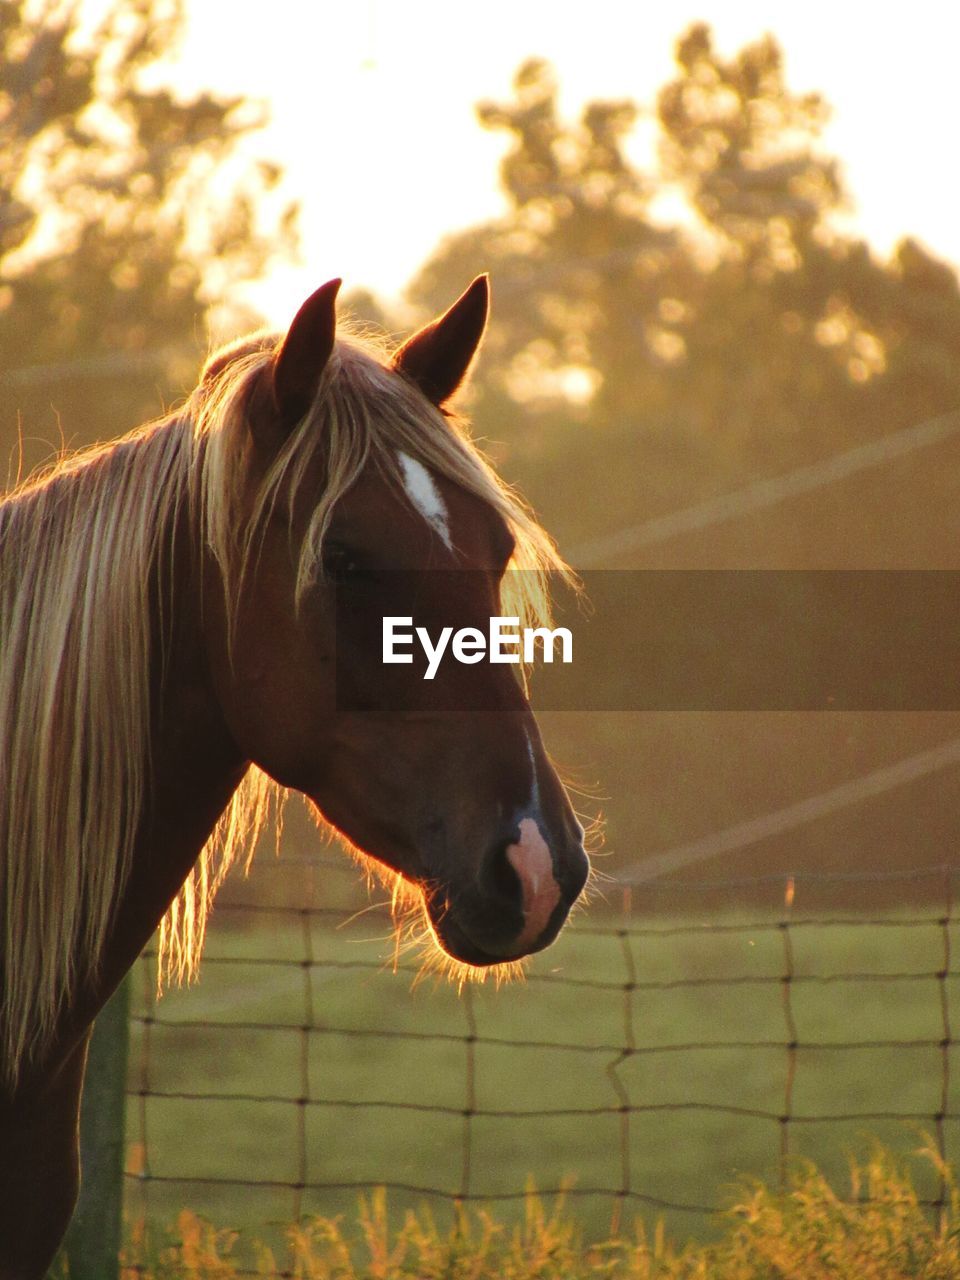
(339, 562)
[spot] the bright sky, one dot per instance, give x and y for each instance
(372, 107)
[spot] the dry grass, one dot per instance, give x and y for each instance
(874, 1229)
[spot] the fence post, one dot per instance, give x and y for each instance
(94, 1239)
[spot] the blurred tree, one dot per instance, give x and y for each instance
(583, 327)
(578, 262)
(742, 148)
(124, 211)
(799, 330)
(744, 336)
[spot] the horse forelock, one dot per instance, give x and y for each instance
(364, 411)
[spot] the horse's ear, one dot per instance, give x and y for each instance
(304, 353)
(438, 357)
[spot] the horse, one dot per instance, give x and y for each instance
(171, 654)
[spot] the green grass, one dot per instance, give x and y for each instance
(676, 1153)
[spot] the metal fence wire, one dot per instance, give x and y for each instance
(674, 1040)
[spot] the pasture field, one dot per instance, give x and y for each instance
(686, 1021)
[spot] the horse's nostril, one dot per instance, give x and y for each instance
(503, 879)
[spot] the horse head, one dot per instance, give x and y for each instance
(359, 496)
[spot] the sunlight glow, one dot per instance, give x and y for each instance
(372, 110)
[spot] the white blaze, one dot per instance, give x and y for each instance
(534, 780)
(425, 496)
(531, 860)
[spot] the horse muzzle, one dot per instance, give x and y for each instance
(519, 902)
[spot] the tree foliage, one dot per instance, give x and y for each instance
(124, 212)
(578, 230)
(691, 341)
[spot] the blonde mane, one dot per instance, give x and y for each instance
(81, 551)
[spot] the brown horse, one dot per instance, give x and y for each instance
(167, 645)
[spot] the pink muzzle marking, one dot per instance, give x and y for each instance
(531, 860)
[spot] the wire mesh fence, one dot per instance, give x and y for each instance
(674, 1040)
